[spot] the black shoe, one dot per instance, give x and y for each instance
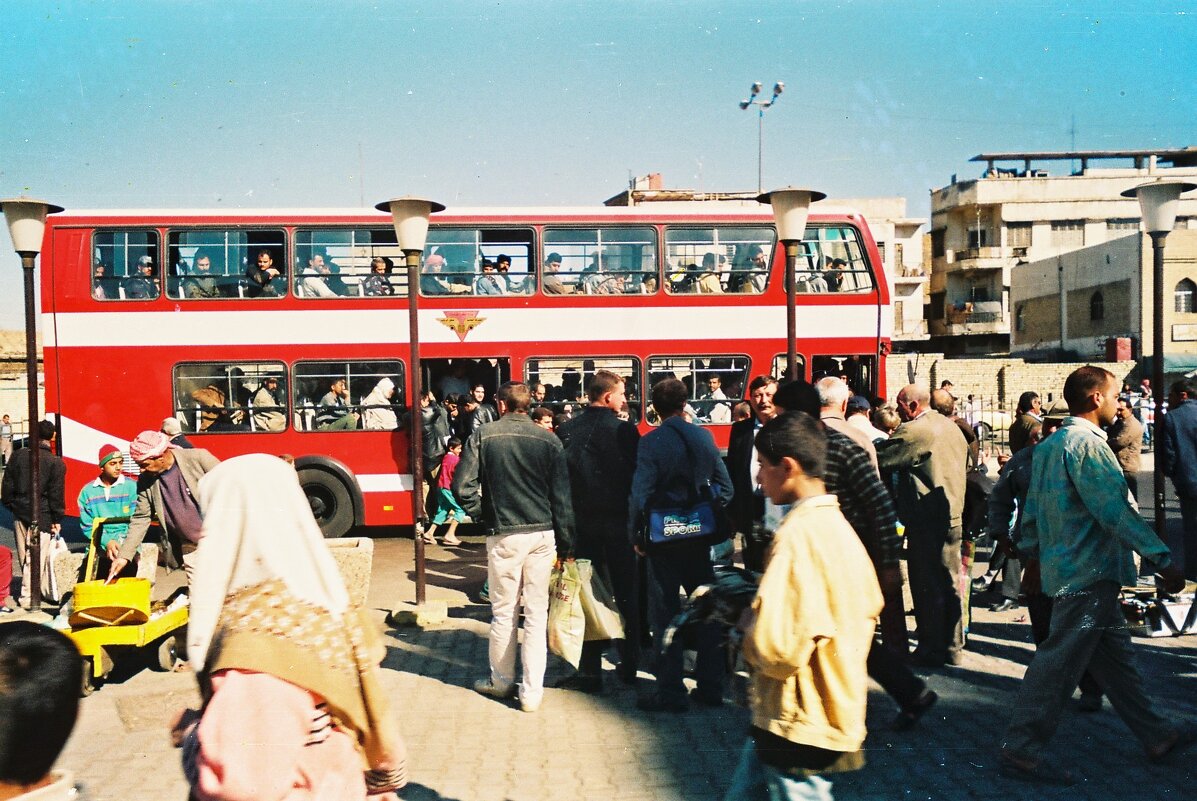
(655, 703)
(705, 699)
(582, 683)
(980, 584)
(1004, 606)
(625, 671)
(910, 716)
(926, 660)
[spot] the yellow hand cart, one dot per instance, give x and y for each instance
(111, 617)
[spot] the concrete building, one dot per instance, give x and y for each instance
(985, 229)
(897, 236)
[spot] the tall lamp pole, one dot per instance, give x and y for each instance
(791, 207)
(27, 225)
(410, 218)
(1158, 200)
(761, 105)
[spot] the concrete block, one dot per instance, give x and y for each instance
(355, 559)
(429, 613)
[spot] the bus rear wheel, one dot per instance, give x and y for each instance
(332, 505)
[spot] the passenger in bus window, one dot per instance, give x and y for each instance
(490, 282)
(102, 287)
(759, 265)
(317, 278)
(612, 284)
(708, 277)
(809, 281)
(378, 282)
(834, 275)
(550, 282)
(143, 285)
(717, 411)
(332, 410)
(265, 280)
(377, 412)
(431, 282)
(201, 283)
(266, 414)
(539, 392)
(511, 284)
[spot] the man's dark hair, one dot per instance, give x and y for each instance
(797, 435)
(46, 430)
(1083, 382)
(1025, 400)
(515, 395)
(761, 381)
(452, 442)
(602, 382)
(540, 413)
(798, 396)
(669, 396)
(1185, 386)
(40, 671)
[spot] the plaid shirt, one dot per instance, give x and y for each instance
(864, 500)
(1078, 519)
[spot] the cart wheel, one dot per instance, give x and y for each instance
(87, 686)
(168, 653)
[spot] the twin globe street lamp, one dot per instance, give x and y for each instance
(410, 218)
(791, 206)
(1159, 201)
(26, 219)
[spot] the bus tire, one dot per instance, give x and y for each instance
(331, 501)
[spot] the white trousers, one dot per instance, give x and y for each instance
(519, 566)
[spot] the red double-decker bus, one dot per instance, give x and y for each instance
(240, 324)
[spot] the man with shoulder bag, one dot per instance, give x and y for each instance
(679, 491)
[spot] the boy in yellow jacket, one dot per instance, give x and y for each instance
(808, 633)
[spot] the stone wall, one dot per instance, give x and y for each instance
(994, 380)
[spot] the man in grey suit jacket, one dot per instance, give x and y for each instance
(167, 492)
(929, 455)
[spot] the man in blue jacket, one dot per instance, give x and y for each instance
(671, 462)
(1179, 452)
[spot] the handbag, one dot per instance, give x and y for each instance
(696, 520)
(603, 621)
(567, 621)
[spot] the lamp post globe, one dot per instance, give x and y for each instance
(26, 218)
(791, 207)
(1158, 201)
(409, 215)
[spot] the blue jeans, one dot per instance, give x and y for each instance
(754, 779)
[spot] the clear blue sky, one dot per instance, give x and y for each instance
(185, 103)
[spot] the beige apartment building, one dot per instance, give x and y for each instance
(1017, 218)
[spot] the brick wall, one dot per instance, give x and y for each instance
(995, 380)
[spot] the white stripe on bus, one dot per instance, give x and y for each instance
(389, 326)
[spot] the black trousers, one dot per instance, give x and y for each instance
(605, 544)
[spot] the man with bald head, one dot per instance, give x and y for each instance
(929, 456)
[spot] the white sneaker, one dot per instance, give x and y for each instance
(529, 706)
(488, 688)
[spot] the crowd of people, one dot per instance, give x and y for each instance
(824, 495)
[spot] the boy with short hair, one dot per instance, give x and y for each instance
(808, 633)
(447, 506)
(39, 701)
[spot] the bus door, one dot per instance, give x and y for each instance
(460, 375)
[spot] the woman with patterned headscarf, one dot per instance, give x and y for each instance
(288, 668)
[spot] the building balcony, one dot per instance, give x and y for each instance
(983, 258)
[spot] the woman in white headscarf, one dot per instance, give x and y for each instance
(377, 413)
(288, 669)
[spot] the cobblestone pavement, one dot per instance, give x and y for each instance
(466, 747)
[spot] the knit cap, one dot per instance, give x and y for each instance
(108, 453)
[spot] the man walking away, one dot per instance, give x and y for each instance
(600, 450)
(514, 478)
(672, 462)
(929, 455)
(51, 505)
(1179, 452)
(1081, 526)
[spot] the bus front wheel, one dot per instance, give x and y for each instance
(332, 505)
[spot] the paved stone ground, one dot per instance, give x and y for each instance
(466, 747)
